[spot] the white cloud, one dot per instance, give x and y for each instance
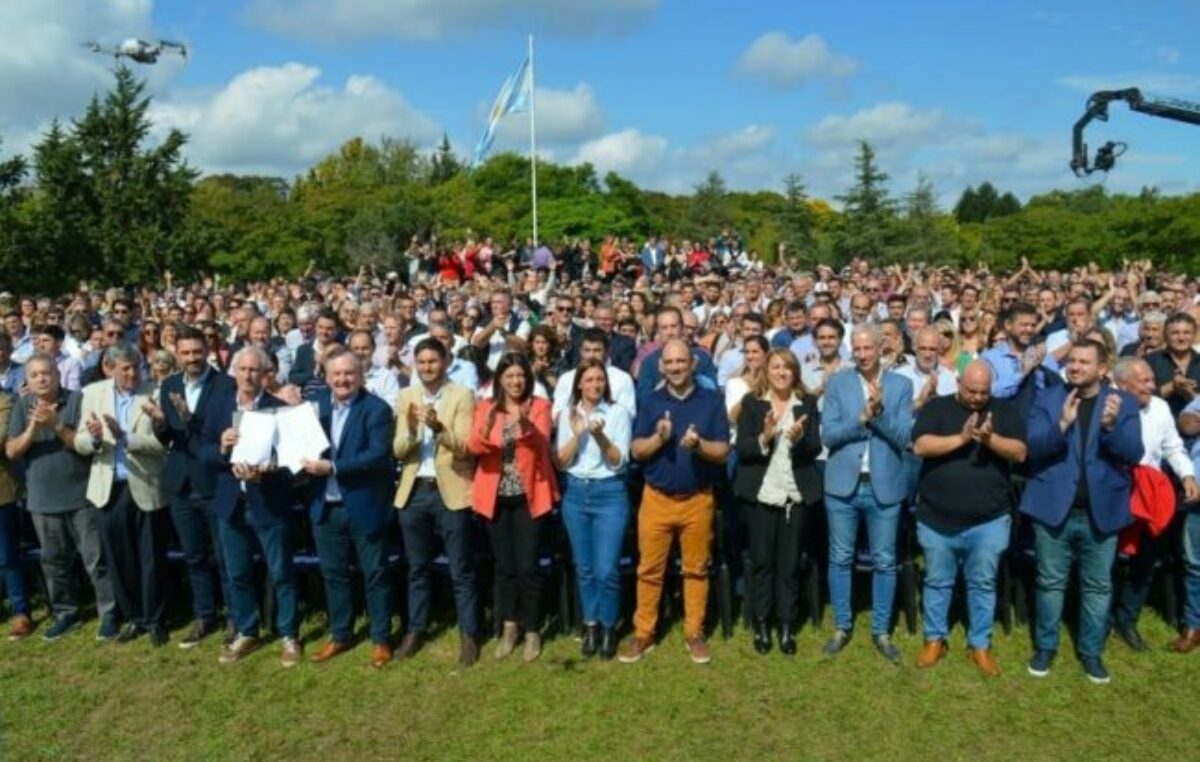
(563, 116)
(747, 141)
(893, 124)
(343, 20)
(280, 120)
(786, 63)
(45, 70)
(628, 152)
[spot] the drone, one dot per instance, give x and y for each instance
(141, 51)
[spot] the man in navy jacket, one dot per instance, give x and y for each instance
(184, 400)
(253, 507)
(351, 504)
(1083, 439)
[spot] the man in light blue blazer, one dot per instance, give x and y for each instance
(1083, 440)
(866, 424)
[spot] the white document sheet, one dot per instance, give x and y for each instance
(299, 436)
(256, 438)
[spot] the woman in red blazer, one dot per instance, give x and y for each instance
(514, 490)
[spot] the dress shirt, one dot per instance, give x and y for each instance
(193, 389)
(123, 405)
(12, 377)
(1161, 439)
(779, 482)
(427, 468)
(464, 374)
(1006, 371)
(589, 461)
(1124, 328)
(946, 381)
(22, 348)
(341, 411)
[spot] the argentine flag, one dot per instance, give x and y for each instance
(513, 99)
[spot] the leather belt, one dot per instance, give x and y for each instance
(428, 482)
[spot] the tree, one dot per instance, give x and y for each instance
(12, 229)
(108, 206)
(796, 219)
(444, 164)
(923, 232)
(981, 205)
(867, 210)
(708, 210)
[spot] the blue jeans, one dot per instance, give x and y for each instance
(425, 519)
(1191, 559)
(11, 579)
(1094, 551)
(595, 513)
(843, 514)
(978, 550)
(339, 542)
(240, 537)
(196, 524)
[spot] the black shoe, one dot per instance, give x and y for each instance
(836, 643)
(886, 648)
(787, 640)
(762, 636)
(608, 643)
(158, 636)
(130, 632)
(1132, 638)
(201, 629)
(591, 640)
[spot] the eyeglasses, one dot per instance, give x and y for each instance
(561, 308)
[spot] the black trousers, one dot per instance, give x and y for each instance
(135, 546)
(516, 539)
(775, 536)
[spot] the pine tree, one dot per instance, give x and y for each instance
(796, 218)
(445, 163)
(867, 212)
(708, 210)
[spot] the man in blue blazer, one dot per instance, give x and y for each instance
(351, 504)
(188, 481)
(866, 424)
(1083, 439)
(253, 507)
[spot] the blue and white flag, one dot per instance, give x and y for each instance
(513, 99)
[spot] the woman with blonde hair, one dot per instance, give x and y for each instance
(777, 481)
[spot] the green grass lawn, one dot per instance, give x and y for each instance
(79, 699)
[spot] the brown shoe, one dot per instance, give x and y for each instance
(409, 646)
(1187, 642)
(982, 658)
(330, 650)
(381, 654)
(635, 649)
(293, 652)
(931, 654)
(20, 628)
(699, 649)
(241, 647)
(468, 651)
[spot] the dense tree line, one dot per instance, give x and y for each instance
(96, 201)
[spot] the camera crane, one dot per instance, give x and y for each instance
(1097, 108)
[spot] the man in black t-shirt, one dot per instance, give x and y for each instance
(968, 443)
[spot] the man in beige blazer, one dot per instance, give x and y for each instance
(118, 418)
(433, 421)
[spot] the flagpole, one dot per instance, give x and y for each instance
(533, 141)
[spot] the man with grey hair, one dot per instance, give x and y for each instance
(1151, 338)
(41, 437)
(866, 424)
(306, 321)
(1162, 443)
(118, 435)
(253, 507)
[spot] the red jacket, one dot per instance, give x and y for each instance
(1152, 503)
(532, 456)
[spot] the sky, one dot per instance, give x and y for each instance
(661, 91)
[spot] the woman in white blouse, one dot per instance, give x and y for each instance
(592, 449)
(777, 481)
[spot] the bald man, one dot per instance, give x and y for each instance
(1162, 443)
(681, 438)
(969, 443)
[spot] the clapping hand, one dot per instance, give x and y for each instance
(663, 427)
(151, 408)
(690, 439)
(1070, 410)
(969, 428)
(984, 431)
(770, 422)
(796, 429)
(430, 417)
(317, 467)
(180, 405)
(1112, 406)
(95, 426)
(114, 428)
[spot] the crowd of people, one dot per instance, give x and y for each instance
(636, 395)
